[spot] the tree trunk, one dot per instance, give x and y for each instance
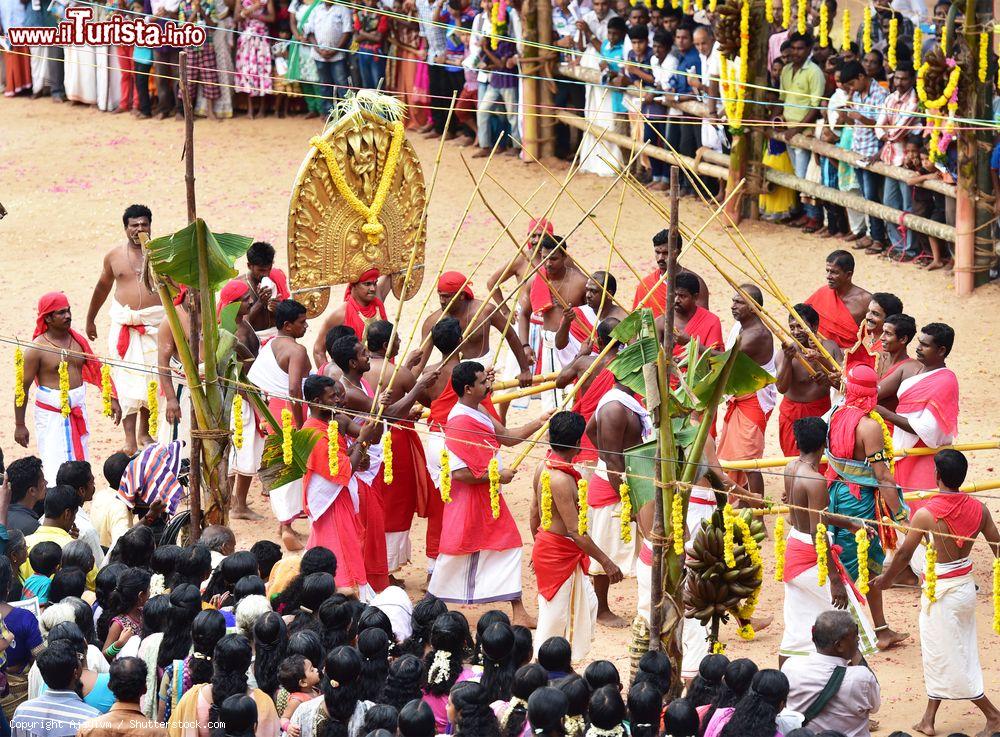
(529, 85)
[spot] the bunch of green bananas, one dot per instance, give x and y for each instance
(727, 29)
(711, 588)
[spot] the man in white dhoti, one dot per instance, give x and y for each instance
(567, 604)
(135, 314)
(805, 597)
(949, 648)
(60, 418)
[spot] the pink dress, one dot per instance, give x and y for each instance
(720, 719)
(253, 55)
(439, 703)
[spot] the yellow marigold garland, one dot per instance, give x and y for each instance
(153, 404)
(752, 548)
(822, 548)
(675, 4)
(866, 37)
(728, 544)
(944, 41)
(712, 4)
(333, 447)
(686, 7)
(445, 476)
(786, 13)
(861, 538)
(238, 422)
(494, 471)
(660, 4)
(677, 521)
(545, 503)
(845, 32)
(746, 632)
(496, 27)
(890, 454)
(718, 647)
(372, 227)
(64, 388)
(930, 574)
(626, 521)
(779, 549)
(581, 504)
(893, 38)
(918, 42)
(106, 394)
(287, 454)
(769, 11)
(803, 13)
(824, 25)
(698, 5)
(984, 55)
(387, 457)
(996, 595)
(19, 397)
(750, 605)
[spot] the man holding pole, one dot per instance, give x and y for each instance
(841, 304)
(655, 282)
(579, 323)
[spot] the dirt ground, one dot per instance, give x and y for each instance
(68, 172)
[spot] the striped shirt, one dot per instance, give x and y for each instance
(152, 476)
(869, 105)
(53, 714)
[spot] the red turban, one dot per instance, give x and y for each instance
(540, 225)
(47, 304)
(370, 275)
(53, 302)
(862, 388)
(233, 291)
(452, 282)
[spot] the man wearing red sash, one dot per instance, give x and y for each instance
(949, 647)
(523, 262)
(567, 605)
(655, 281)
(480, 553)
(331, 500)
(362, 304)
(60, 437)
(841, 304)
(691, 320)
(578, 323)
(926, 415)
(804, 394)
(867, 349)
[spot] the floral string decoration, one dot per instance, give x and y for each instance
(996, 595)
(106, 392)
(918, 41)
(893, 39)
(153, 402)
(387, 457)
(546, 500)
(19, 397)
(64, 407)
(581, 504)
(944, 40)
(861, 539)
(718, 647)
(626, 521)
(824, 25)
(890, 453)
(746, 632)
(675, 4)
(333, 447)
(372, 228)
(686, 7)
(786, 13)
(494, 474)
(728, 542)
(698, 5)
(822, 549)
(753, 550)
(237, 422)
(286, 436)
(498, 22)
(984, 55)
(845, 31)
(867, 30)
(445, 476)
(779, 549)
(746, 611)
(712, 5)
(440, 668)
(769, 11)
(677, 521)
(930, 574)
(803, 12)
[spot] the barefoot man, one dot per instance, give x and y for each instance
(619, 422)
(578, 323)
(567, 605)
(805, 598)
(862, 487)
(841, 304)
(60, 437)
(362, 304)
(949, 647)
(658, 302)
(135, 314)
(267, 285)
(803, 394)
(742, 436)
(480, 555)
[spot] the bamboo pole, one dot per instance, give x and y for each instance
(968, 186)
(529, 83)
(546, 126)
(779, 461)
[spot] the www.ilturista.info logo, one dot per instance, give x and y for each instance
(78, 29)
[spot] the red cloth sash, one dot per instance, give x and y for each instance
(339, 530)
(937, 393)
(77, 426)
(658, 301)
(355, 311)
(585, 403)
(789, 411)
(471, 441)
(540, 294)
(646, 554)
(705, 327)
(124, 338)
(835, 321)
(600, 492)
(318, 462)
(749, 406)
(555, 559)
(800, 557)
(411, 484)
(372, 513)
(916, 473)
(581, 328)
(441, 407)
(957, 572)
(962, 513)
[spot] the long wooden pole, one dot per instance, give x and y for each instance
(968, 186)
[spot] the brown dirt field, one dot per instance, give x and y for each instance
(68, 173)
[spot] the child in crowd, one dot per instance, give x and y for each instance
(44, 558)
(300, 678)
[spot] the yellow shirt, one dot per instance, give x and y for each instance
(109, 516)
(60, 537)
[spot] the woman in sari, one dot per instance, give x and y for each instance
(301, 65)
(410, 66)
(23, 625)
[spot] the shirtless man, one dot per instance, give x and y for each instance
(558, 282)
(691, 320)
(577, 324)
(268, 286)
(948, 639)
(59, 438)
(898, 332)
(654, 280)
(868, 348)
(523, 262)
(362, 304)
(135, 314)
(803, 394)
(841, 304)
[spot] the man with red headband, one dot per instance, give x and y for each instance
(862, 487)
(362, 304)
(656, 282)
(949, 646)
(60, 422)
(841, 304)
(135, 315)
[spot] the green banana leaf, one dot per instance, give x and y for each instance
(176, 255)
(273, 472)
(628, 329)
(641, 461)
(627, 365)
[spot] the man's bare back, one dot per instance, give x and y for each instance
(857, 300)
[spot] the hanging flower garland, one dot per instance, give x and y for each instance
(675, 4)
(712, 5)
(494, 473)
(581, 507)
(106, 393)
(546, 500)
(824, 25)
(333, 447)
(286, 436)
(728, 543)
(803, 8)
(867, 30)
(752, 548)
(698, 5)
(845, 31)
(918, 43)
(890, 453)
(153, 403)
(862, 541)
(786, 13)
(779, 549)
(626, 520)
(686, 7)
(372, 228)
(445, 476)
(387, 457)
(19, 397)
(930, 574)
(769, 11)
(677, 521)
(984, 55)
(746, 611)
(893, 39)
(238, 422)
(944, 40)
(64, 388)
(822, 548)
(498, 22)
(718, 648)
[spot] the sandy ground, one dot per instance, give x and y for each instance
(67, 173)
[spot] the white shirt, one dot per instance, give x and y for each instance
(327, 23)
(662, 71)
(848, 711)
(915, 10)
(599, 26)
(88, 533)
(171, 6)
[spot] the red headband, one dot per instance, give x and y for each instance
(451, 282)
(47, 304)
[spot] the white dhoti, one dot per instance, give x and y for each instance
(478, 578)
(135, 331)
(59, 438)
(551, 399)
(398, 549)
(109, 79)
(39, 64)
(433, 444)
(948, 646)
(571, 613)
(805, 600)
(605, 527)
(80, 80)
(512, 368)
(245, 461)
(286, 502)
